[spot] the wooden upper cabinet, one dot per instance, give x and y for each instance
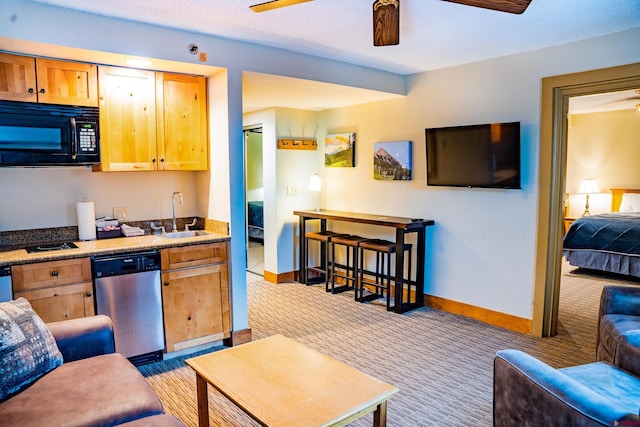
(18, 78)
(127, 119)
(24, 78)
(65, 82)
(152, 121)
(182, 122)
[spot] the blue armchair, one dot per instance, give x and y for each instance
(619, 316)
(528, 392)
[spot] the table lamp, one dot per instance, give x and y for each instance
(315, 185)
(588, 186)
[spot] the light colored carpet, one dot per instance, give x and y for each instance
(255, 258)
(441, 363)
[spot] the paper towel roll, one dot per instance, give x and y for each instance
(86, 220)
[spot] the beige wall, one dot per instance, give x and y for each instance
(606, 147)
(46, 197)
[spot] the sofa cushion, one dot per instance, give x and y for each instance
(27, 348)
(612, 327)
(604, 379)
(99, 391)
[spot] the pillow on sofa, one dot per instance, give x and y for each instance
(27, 348)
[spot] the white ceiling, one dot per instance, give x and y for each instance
(433, 33)
(612, 101)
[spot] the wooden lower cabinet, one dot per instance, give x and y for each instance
(57, 290)
(196, 299)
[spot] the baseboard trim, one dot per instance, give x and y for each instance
(290, 276)
(242, 336)
(495, 318)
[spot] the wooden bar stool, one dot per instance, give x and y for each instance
(349, 270)
(381, 281)
(323, 237)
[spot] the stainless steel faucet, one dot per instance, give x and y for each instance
(173, 205)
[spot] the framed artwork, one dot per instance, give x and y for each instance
(392, 161)
(340, 150)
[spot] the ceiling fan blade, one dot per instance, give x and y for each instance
(386, 22)
(274, 4)
(510, 6)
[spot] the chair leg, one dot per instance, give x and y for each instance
(331, 262)
(409, 275)
(388, 281)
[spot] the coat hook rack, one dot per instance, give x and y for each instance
(297, 144)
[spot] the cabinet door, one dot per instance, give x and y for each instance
(61, 302)
(196, 306)
(182, 122)
(66, 82)
(127, 119)
(17, 78)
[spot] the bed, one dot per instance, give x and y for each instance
(608, 242)
(255, 221)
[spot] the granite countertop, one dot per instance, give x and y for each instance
(107, 247)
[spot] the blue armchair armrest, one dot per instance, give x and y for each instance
(84, 337)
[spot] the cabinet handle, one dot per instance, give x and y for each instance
(31, 90)
(88, 294)
(54, 273)
(166, 283)
(42, 90)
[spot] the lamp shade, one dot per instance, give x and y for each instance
(588, 186)
(315, 183)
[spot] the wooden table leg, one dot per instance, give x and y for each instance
(203, 401)
(380, 415)
(420, 257)
(302, 246)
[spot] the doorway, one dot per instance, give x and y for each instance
(556, 92)
(254, 193)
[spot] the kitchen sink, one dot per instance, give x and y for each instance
(186, 233)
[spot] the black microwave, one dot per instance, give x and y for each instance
(36, 135)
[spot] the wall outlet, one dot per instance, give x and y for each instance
(292, 190)
(120, 213)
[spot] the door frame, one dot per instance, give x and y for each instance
(245, 131)
(556, 92)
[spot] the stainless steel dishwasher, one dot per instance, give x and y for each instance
(127, 289)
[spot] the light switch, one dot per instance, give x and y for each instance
(120, 213)
(292, 190)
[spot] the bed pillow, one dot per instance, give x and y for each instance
(630, 202)
(27, 348)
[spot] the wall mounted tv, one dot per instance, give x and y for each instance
(485, 156)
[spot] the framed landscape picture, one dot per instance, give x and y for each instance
(340, 150)
(392, 161)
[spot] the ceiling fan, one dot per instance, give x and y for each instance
(386, 14)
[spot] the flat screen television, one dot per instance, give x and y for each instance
(484, 156)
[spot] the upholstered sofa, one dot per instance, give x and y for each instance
(91, 386)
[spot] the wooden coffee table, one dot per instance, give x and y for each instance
(279, 382)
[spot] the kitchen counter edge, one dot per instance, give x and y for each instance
(107, 247)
